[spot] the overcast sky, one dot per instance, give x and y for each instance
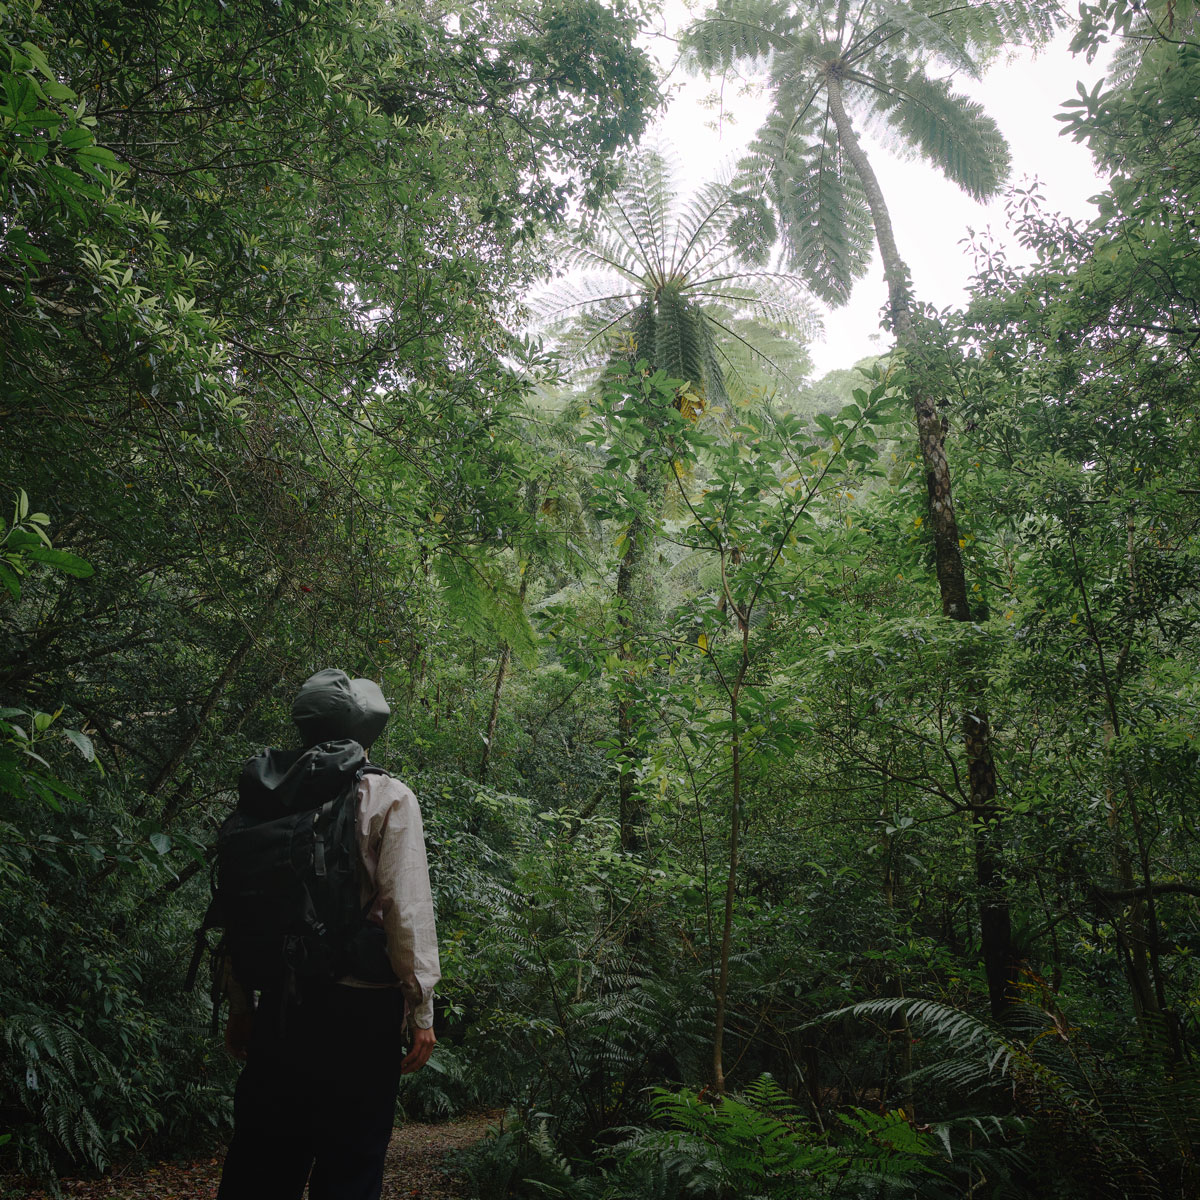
(931, 216)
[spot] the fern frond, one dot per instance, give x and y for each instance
(664, 281)
(484, 602)
(736, 31)
(823, 213)
(951, 132)
(932, 36)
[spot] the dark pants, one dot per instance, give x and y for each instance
(317, 1095)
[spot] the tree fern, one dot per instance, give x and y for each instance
(658, 276)
(885, 55)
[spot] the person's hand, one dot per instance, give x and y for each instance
(422, 1048)
(237, 1034)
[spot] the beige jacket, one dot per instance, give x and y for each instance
(391, 840)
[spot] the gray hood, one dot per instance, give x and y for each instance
(331, 706)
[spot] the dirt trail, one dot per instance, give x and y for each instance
(415, 1167)
(415, 1170)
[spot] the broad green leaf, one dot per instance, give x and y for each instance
(62, 560)
(82, 743)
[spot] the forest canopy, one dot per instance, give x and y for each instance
(809, 766)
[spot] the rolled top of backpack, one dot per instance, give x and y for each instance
(276, 782)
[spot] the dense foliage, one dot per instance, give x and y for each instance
(671, 662)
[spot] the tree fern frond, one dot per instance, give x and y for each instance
(734, 31)
(950, 131)
(557, 302)
(823, 215)
(732, 366)
(486, 603)
(681, 335)
(984, 26)
(936, 37)
(769, 297)
(701, 226)
(598, 253)
(646, 205)
(681, 283)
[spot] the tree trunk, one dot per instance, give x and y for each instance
(735, 746)
(630, 816)
(894, 983)
(531, 504)
(494, 716)
(184, 747)
(1001, 961)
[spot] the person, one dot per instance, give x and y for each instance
(315, 1101)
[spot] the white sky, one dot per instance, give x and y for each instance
(930, 215)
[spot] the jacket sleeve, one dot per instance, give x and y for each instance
(396, 840)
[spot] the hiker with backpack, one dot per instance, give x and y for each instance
(322, 893)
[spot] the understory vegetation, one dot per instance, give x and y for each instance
(809, 767)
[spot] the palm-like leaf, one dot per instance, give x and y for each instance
(819, 201)
(737, 31)
(947, 129)
(661, 278)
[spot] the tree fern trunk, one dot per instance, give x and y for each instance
(630, 814)
(1001, 962)
(735, 824)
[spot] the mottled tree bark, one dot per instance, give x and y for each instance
(1000, 958)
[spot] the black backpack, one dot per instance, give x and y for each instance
(287, 875)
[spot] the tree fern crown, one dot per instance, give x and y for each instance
(892, 63)
(658, 277)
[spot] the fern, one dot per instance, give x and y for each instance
(485, 603)
(757, 1143)
(881, 51)
(730, 33)
(659, 277)
(1113, 1137)
(55, 1070)
(946, 128)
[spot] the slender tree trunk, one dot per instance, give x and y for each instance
(494, 715)
(630, 814)
(1001, 961)
(1130, 926)
(1137, 931)
(531, 503)
(184, 747)
(501, 674)
(895, 983)
(735, 824)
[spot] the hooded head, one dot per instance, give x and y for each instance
(331, 706)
